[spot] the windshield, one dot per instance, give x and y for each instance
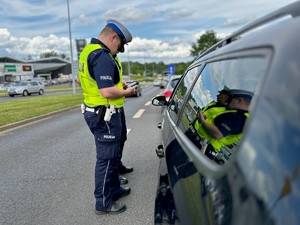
(21, 84)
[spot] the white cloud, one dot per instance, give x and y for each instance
(4, 36)
(237, 21)
(83, 19)
(129, 14)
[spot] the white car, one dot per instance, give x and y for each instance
(160, 82)
(173, 80)
(26, 88)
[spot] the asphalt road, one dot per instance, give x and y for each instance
(47, 169)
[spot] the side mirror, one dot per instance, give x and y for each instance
(159, 101)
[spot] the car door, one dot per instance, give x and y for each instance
(201, 188)
(33, 87)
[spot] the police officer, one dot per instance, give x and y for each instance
(225, 127)
(100, 75)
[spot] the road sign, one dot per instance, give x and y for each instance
(171, 69)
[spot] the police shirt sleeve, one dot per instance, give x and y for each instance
(104, 68)
(230, 123)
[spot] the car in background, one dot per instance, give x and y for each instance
(133, 83)
(156, 83)
(54, 82)
(249, 176)
(26, 88)
(173, 80)
(160, 82)
(5, 86)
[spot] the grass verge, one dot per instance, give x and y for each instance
(18, 110)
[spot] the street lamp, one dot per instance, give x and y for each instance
(71, 49)
(128, 63)
(145, 69)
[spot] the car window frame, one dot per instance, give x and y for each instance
(206, 166)
(200, 67)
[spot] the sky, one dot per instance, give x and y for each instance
(162, 30)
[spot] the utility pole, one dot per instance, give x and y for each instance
(145, 70)
(71, 49)
(128, 63)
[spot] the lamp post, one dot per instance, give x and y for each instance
(145, 69)
(71, 49)
(128, 63)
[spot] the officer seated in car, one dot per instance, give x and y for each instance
(223, 128)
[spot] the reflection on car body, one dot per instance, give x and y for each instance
(252, 174)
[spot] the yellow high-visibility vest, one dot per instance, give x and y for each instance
(225, 141)
(91, 94)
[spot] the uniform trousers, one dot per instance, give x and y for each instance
(107, 139)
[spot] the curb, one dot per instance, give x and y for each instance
(22, 122)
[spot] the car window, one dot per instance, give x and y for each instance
(182, 89)
(173, 82)
(216, 127)
(20, 84)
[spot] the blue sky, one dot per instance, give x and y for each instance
(163, 30)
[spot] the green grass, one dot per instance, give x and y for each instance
(25, 108)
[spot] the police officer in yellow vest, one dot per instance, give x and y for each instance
(225, 127)
(211, 109)
(100, 75)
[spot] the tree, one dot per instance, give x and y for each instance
(28, 57)
(53, 54)
(204, 42)
(64, 56)
(48, 54)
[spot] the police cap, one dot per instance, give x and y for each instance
(122, 32)
(224, 91)
(240, 93)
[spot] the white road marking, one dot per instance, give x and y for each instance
(148, 103)
(128, 130)
(138, 114)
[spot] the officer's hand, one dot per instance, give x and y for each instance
(125, 85)
(200, 116)
(131, 91)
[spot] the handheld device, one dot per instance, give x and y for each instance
(132, 84)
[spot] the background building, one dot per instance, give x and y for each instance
(12, 69)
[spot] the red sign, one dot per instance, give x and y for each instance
(27, 68)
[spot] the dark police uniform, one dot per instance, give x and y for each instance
(106, 71)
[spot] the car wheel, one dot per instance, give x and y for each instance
(12, 95)
(41, 92)
(25, 93)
